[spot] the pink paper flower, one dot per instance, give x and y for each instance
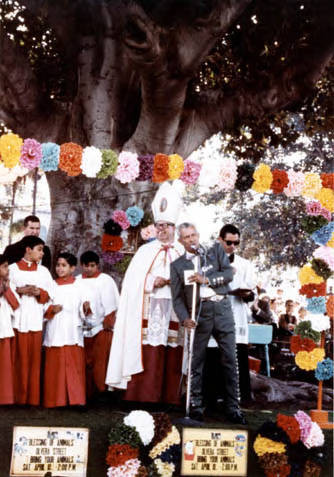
(120, 217)
(313, 207)
(129, 469)
(305, 424)
(326, 213)
(128, 167)
(31, 153)
(315, 437)
(148, 233)
(326, 254)
(227, 174)
(190, 172)
(296, 183)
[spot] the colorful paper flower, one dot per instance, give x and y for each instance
(311, 223)
(290, 425)
(31, 153)
(175, 166)
(91, 161)
(323, 235)
(10, 149)
(296, 184)
(112, 257)
(305, 424)
(172, 438)
(326, 213)
(313, 207)
(280, 181)
(326, 254)
(134, 215)
(165, 469)
(309, 360)
(316, 304)
(208, 176)
(112, 228)
(145, 167)
(263, 445)
(319, 323)
(245, 177)
(128, 167)
(330, 306)
(262, 178)
(315, 437)
(70, 158)
(326, 198)
(313, 289)
(321, 268)
(327, 180)
(120, 217)
(282, 471)
(330, 242)
(227, 174)
(297, 343)
(190, 172)
(143, 422)
(118, 454)
(324, 370)
(128, 469)
(50, 156)
(312, 184)
(160, 168)
(307, 275)
(109, 163)
(111, 243)
(305, 330)
(123, 434)
(312, 469)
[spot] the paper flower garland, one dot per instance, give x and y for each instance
(190, 172)
(307, 275)
(324, 370)
(91, 161)
(120, 217)
(327, 180)
(227, 175)
(175, 166)
(263, 178)
(112, 228)
(313, 289)
(134, 215)
(296, 184)
(128, 167)
(70, 158)
(326, 198)
(10, 149)
(323, 235)
(245, 178)
(31, 154)
(316, 304)
(111, 243)
(109, 163)
(309, 360)
(145, 167)
(280, 181)
(160, 168)
(50, 156)
(312, 184)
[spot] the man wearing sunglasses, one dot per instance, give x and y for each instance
(244, 281)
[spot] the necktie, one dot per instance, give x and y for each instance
(231, 258)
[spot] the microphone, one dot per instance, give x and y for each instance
(200, 250)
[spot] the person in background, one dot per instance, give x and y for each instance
(15, 252)
(261, 311)
(273, 309)
(302, 314)
(287, 321)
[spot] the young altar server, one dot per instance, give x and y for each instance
(99, 309)
(64, 371)
(34, 284)
(8, 303)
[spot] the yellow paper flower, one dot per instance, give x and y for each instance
(10, 149)
(312, 184)
(309, 360)
(307, 275)
(175, 166)
(262, 445)
(262, 178)
(326, 198)
(165, 469)
(330, 243)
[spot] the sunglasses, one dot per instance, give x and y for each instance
(232, 242)
(163, 225)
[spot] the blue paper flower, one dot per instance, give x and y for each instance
(316, 305)
(324, 234)
(134, 215)
(50, 156)
(324, 370)
(172, 454)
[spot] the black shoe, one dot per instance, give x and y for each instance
(236, 417)
(196, 415)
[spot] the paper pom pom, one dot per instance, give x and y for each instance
(143, 422)
(190, 172)
(120, 217)
(307, 275)
(160, 168)
(324, 370)
(128, 469)
(128, 167)
(319, 323)
(208, 176)
(162, 427)
(326, 213)
(145, 167)
(290, 425)
(312, 184)
(323, 235)
(175, 166)
(312, 223)
(10, 149)
(112, 257)
(118, 454)
(271, 461)
(31, 153)
(70, 158)
(227, 175)
(297, 343)
(296, 184)
(112, 228)
(316, 304)
(165, 469)
(305, 424)
(134, 215)
(326, 254)
(330, 306)
(327, 180)
(109, 163)
(305, 330)
(123, 434)
(315, 437)
(326, 198)
(262, 445)
(245, 178)
(309, 360)
(313, 289)
(111, 243)
(321, 268)
(91, 161)
(50, 156)
(280, 181)
(313, 207)
(263, 178)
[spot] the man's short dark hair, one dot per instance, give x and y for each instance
(289, 302)
(30, 218)
(88, 257)
(31, 241)
(228, 229)
(69, 257)
(3, 259)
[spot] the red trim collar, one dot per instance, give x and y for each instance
(27, 266)
(65, 281)
(93, 276)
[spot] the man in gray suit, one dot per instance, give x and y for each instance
(213, 315)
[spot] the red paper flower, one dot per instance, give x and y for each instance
(280, 181)
(313, 289)
(70, 158)
(111, 243)
(283, 471)
(290, 425)
(160, 168)
(327, 180)
(118, 454)
(330, 306)
(297, 343)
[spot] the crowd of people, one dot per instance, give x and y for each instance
(63, 339)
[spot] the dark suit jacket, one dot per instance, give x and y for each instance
(15, 252)
(217, 269)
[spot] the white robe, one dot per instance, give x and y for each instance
(7, 316)
(149, 262)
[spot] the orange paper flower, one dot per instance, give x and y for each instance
(280, 181)
(327, 180)
(70, 158)
(330, 306)
(313, 289)
(111, 243)
(160, 168)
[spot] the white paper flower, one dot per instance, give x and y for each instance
(319, 322)
(208, 176)
(143, 422)
(91, 161)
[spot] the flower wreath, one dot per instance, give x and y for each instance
(142, 445)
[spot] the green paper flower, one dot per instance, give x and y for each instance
(109, 163)
(304, 329)
(123, 434)
(312, 223)
(321, 268)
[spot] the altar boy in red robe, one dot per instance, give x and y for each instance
(8, 303)
(33, 283)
